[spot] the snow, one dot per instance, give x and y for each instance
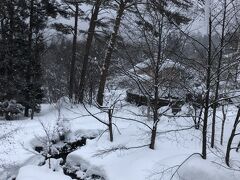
(136, 163)
(17, 150)
(196, 169)
(141, 163)
(31, 172)
(168, 63)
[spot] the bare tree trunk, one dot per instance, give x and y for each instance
(91, 30)
(223, 124)
(109, 51)
(156, 85)
(32, 112)
(208, 81)
(74, 49)
(153, 137)
(238, 146)
(236, 122)
(110, 124)
(218, 75)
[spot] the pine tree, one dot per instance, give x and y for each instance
(22, 41)
(38, 12)
(14, 50)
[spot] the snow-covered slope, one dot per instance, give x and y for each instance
(128, 157)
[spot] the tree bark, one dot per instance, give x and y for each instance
(153, 137)
(223, 124)
(238, 146)
(110, 124)
(109, 51)
(74, 49)
(91, 30)
(236, 122)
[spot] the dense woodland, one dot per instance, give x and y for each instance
(162, 55)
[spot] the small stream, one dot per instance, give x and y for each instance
(62, 152)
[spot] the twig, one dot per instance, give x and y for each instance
(113, 149)
(176, 130)
(179, 166)
(130, 119)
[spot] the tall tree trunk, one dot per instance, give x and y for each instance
(236, 122)
(156, 85)
(218, 75)
(28, 73)
(207, 95)
(91, 30)
(74, 49)
(10, 71)
(109, 51)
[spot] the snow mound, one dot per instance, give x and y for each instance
(31, 172)
(199, 169)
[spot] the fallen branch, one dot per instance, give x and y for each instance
(117, 148)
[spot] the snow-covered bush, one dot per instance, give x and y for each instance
(10, 108)
(63, 128)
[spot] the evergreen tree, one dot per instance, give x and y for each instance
(38, 12)
(22, 42)
(13, 48)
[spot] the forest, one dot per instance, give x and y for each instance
(120, 89)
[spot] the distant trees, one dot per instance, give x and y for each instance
(38, 13)
(152, 28)
(56, 68)
(13, 37)
(122, 6)
(74, 46)
(90, 35)
(213, 62)
(22, 25)
(216, 67)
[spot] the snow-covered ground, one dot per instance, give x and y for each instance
(31, 172)
(127, 157)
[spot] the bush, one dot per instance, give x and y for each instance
(11, 108)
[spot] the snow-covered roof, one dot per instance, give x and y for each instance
(168, 63)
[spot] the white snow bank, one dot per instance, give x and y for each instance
(199, 169)
(40, 173)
